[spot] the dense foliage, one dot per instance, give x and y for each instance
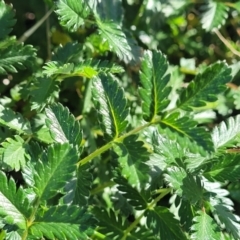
(119, 119)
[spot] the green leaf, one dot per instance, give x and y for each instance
(132, 160)
(185, 129)
(7, 20)
(14, 205)
(112, 106)
(214, 15)
(230, 220)
(62, 125)
(15, 153)
(227, 167)
(16, 57)
(43, 91)
(163, 224)
(205, 227)
(185, 184)
(15, 121)
(58, 70)
(63, 222)
(114, 35)
(154, 91)
(70, 52)
(59, 160)
(78, 189)
(138, 199)
(205, 87)
(226, 134)
(72, 13)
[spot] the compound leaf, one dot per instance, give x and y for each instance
(154, 80)
(59, 160)
(14, 205)
(227, 167)
(132, 159)
(114, 35)
(15, 57)
(186, 129)
(205, 87)
(110, 102)
(205, 227)
(72, 13)
(214, 15)
(63, 222)
(62, 125)
(15, 121)
(15, 153)
(225, 134)
(7, 20)
(163, 224)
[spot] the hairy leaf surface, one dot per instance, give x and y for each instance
(205, 227)
(15, 153)
(15, 121)
(62, 125)
(154, 91)
(110, 102)
(205, 87)
(214, 15)
(59, 160)
(14, 205)
(72, 13)
(7, 20)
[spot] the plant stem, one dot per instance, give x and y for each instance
(110, 144)
(30, 31)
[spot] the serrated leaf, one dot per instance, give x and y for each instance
(64, 222)
(163, 224)
(15, 153)
(226, 168)
(43, 91)
(112, 106)
(72, 13)
(7, 20)
(214, 15)
(205, 227)
(114, 35)
(62, 125)
(205, 87)
(78, 189)
(186, 130)
(132, 160)
(154, 80)
(225, 134)
(137, 198)
(15, 121)
(16, 56)
(59, 160)
(14, 205)
(230, 220)
(67, 53)
(185, 184)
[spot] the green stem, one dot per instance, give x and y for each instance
(29, 32)
(102, 187)
(107, 146)
(164, 192)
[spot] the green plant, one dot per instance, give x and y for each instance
(111, 172)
